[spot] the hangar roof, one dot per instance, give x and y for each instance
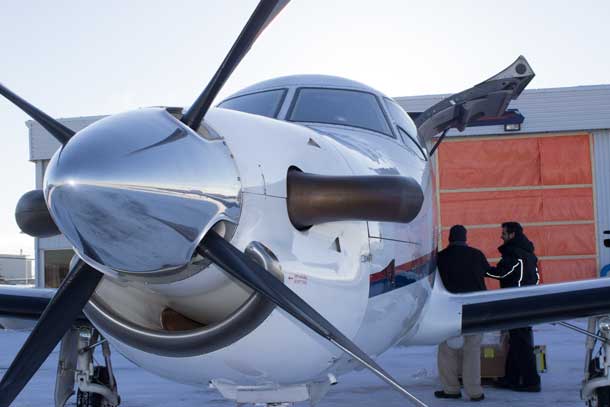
(545, 110)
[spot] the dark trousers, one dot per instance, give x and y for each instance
(520, 362)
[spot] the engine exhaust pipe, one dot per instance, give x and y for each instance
(315, 199)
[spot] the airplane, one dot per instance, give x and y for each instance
(265, 246)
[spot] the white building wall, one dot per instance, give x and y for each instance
(16, 269)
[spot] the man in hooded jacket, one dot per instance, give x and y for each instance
(462, 269)
(518, 267)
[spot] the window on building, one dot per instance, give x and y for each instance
(339, 106)
(56, 266)
(267, 103)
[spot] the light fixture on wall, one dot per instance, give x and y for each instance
(512, 127)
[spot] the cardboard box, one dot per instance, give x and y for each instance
(493, 360)
(494, 348)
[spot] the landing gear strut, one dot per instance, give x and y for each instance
(595, 389)
(96, 384)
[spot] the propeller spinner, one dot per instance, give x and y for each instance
(136, 192)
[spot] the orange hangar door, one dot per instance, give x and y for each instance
(544, 182)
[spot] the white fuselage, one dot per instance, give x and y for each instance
(346, 285)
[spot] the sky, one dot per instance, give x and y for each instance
(72, 58)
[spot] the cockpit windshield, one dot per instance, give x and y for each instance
(266, 103)
(339, 106)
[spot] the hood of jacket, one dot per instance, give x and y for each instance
(519, 242)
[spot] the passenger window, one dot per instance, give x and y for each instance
(266, 103)
(339, 106)
(406, 127)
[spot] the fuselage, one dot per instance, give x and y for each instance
(370, 279)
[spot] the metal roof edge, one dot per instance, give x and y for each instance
(525, 92)
(31, 122)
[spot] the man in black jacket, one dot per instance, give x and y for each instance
(518, 267)
(462, 269)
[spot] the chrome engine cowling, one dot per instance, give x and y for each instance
(205, 312)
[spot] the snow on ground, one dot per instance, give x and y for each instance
(414, 367)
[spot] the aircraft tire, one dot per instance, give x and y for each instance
(88, 399)
(602, 397)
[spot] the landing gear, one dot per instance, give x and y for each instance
(100, 377)
(595, 389)
(96, 385)
(600, 397)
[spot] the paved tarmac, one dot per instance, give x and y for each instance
(415, 367)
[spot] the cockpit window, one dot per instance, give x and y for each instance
(266, 103)
(339, 106)
(405, 125)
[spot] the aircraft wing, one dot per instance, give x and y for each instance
(448, 315)
(20, 307)
(524, 306)
(489, 98)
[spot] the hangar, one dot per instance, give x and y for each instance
(549, 172)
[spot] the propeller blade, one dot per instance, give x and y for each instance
(63, 309)
(240, 266)
(57, 130)
(264, 13)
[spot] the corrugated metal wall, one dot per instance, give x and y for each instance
(601, 149)
(43, 145)
(546, 110)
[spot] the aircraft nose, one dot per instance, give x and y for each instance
(136, 192)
